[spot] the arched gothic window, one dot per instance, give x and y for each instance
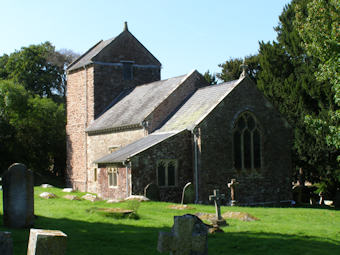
(247, 142)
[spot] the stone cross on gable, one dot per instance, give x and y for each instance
(188, 237)
(217, 198)
(244, 68)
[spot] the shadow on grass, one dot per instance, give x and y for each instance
(104, 238)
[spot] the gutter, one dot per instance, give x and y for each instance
(127, 165)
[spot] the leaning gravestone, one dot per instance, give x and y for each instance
(6, 243)
(18, 197)
(151, 191)
(188, 194)
(188, 237)
(42, 242)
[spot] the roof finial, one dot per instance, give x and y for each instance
(244, 68)
(126, 26)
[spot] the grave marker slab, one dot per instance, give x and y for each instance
(42, 242)
(6, 243)
(151, 191)
(18, 197)
(188, 194)
(232, 186)
(188, 237)
(217, 198)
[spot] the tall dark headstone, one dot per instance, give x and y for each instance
(18, 197)
(6, 243)
(151, 191)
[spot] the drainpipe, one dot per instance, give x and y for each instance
(127, 165)
(85, 124)
(194, 133)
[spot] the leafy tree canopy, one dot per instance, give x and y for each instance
(39, 68)
(287, 79)
(318, 24)
(210, 78)
(231, 68)
(32, 130)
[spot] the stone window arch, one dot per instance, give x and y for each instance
(247, 140)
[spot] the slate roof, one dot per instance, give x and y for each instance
(86, 58)
(134, 148)
(135, 105)
(198, 106)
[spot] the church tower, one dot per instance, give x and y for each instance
(94, 80)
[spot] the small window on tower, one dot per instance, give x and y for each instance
(127, 70)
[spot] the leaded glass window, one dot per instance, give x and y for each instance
(247, 142)
(167, 172)
(113, 177)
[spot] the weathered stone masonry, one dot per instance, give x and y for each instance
(272, 181)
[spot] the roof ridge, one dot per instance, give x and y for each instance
(217, 85)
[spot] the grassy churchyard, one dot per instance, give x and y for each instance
(278, 230)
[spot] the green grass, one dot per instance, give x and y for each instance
(279, 230)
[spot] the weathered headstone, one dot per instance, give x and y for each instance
(217, 198)
(151, 191)
(6, 243)
(68, 190)
(47, 195)
(232, 186)
(42, 242)
(46, 185)
(18, 197)
(187, 237)
(188, 194)
(90, 197)
(337, 199)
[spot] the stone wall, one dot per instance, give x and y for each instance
(99, 145)
(109, 83)
(92, 89)
(144, 166)
(106, 192)
(272, 182)
(77, 120)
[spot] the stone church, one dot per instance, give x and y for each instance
(127, 128)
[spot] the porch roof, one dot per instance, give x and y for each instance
(134, 148)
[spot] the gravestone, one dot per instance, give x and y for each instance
(187, 237)
(151, 191)
(188, 194)
(232, 186)
(18, 197)
(337, 199)
(42, 242)
(217, 198)
(6, 243)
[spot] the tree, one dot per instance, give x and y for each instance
(33, 130)
(318, 24)
(287, 79)
(231, 68)
(210, 78)
(39, 68)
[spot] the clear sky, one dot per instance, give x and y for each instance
(182, 34)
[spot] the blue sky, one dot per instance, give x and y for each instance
(183, 34)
